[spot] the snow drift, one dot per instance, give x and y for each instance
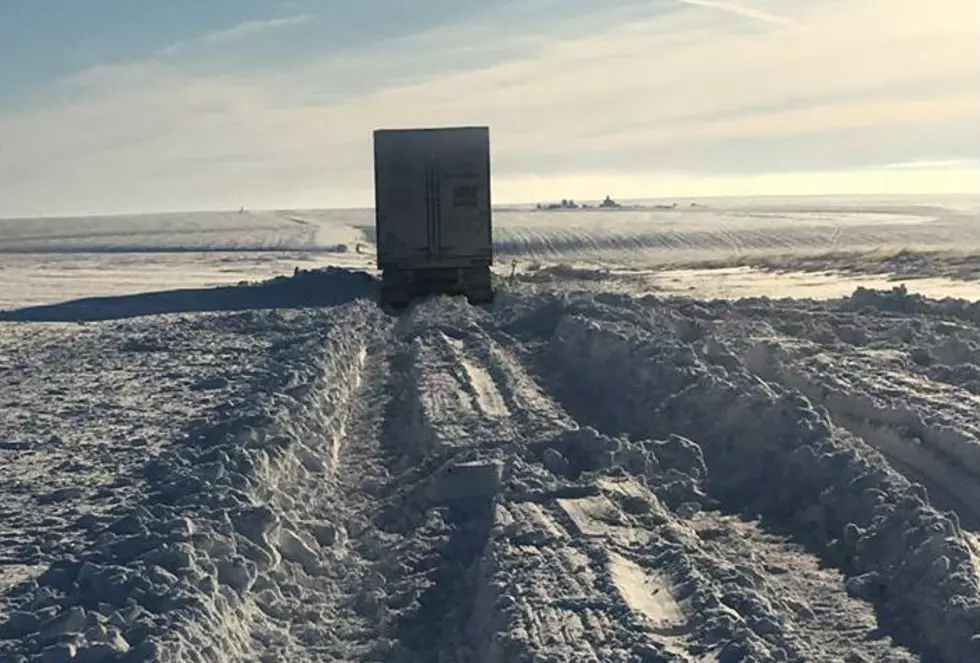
(567, 477)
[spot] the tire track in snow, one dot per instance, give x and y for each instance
(530, 409)
(487, 398)
(291, 566)
(387, 580)
(446, 407)
(557, 574)
(453, 410)
(857, 392)
(517, 579)
(862, 368)
(234, 549)
(814, 603)
(773, 586)
(629, 380)
(918, 434)
(334, 532)
(329, 504)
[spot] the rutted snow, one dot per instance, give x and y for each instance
(486, 395)
(155, 525)
(645, 486)
(648, 594)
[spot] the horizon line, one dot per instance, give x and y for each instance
(504, 206)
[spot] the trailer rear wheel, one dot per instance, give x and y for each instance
(480, 295)
(395, 288)
(399, 286)
(479, 285)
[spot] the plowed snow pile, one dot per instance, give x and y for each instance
(561, 477)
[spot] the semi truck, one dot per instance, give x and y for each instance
(433, 223)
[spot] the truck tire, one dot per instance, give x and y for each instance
(479, 286)
(480, 295)
(395, 290)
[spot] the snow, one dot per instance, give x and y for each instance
(607, 464)
(218, 232)
(732, 229)
(53, 260)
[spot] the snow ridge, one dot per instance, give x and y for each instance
(787, 461)
(189, 573)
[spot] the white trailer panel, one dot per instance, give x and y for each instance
(432, 197)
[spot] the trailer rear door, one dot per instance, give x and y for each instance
(432, 196)
(400, 197)
(462, 159)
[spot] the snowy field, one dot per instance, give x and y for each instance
(630, 457)
(44, 261)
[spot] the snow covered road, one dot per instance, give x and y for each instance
(559, 477)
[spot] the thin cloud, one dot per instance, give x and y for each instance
(741, 10)
(937, 164)
(249, 28)
(161, 135)
(241, 31)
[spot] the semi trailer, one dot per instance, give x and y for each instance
(433, 223)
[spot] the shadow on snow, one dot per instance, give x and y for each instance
(322, 287)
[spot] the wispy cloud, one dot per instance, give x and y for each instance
(249, 28)
(939, 164)
(740, 10)
(676, 100)
(241, 31)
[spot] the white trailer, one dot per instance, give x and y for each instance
(432, 212)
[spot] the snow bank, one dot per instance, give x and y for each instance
(196, 567)
(944, 452)
(900, 300)
(770, 452)
(83, 406)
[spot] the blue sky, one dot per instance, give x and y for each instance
(122, 106)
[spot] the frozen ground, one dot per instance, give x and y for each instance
(580, 472)
(560, 477)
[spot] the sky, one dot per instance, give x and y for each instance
(116, 106)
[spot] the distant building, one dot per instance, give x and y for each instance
(564, 204)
